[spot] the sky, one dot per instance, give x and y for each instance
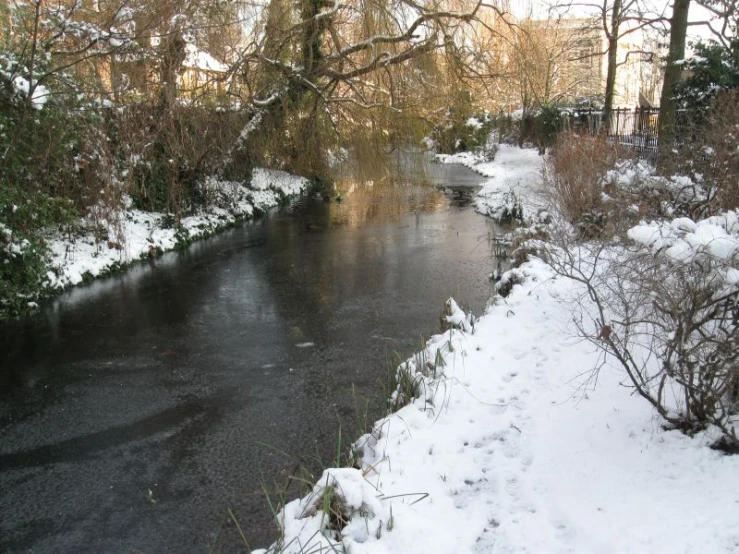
(539, 8)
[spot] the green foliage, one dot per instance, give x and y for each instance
(40, 151)
(549, 124)
(21, 273)
(22, 251)
(463, 132)
(713, 69)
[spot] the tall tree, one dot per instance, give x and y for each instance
(673, 71)
(328, 59)
(617, 19)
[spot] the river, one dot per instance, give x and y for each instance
(146, 412)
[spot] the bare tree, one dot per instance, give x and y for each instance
(617, 19)
(312, 64)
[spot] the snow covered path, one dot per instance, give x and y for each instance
(513, 169)
(514, 447)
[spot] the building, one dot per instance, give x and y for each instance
(565, 62)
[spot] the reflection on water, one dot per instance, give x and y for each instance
(383, 200)
(397, 184)
(134, 411)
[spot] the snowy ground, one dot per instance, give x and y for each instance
(514, 170)
(511, 450)
(136, 234)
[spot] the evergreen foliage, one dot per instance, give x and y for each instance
(714, 68)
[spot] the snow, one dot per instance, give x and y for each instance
(11, 247)
(456, 317)
(474, 123)
(198, 59)
(640, 176)
(685, 240)
(516, 170)
(512, 451)
(514, 446)
(134, 235)
(39, 95)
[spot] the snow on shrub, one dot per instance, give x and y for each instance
(665, 309)
(684, 240)
(637, 181)
(456, 318)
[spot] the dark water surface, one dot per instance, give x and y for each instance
(135, 411)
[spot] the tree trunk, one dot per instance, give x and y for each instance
(612, 35)
(172, 56)
(673, 72)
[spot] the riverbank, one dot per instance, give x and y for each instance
(523, 439)
(514, 175)
(111, 244)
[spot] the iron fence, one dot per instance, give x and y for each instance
(633, 128)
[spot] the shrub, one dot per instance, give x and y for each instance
(465, 134)
(713, 69)
(549, 124)
(22, 251)
(711, 156)
(171, 151)
(666, 310)
(573, 174)
(40, 187)
(509, 210)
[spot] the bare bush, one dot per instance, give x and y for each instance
(671, 325)
(714, 155)
(171, 151)
(574, 172)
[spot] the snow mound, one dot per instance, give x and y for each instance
(684, 240)
(343, 507)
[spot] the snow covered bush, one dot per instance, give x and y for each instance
(665, 307)
(21, 269)
(634, 186)
(509, 210)
(712, 69)
(24, 212)
(702, 174)
(342, 508)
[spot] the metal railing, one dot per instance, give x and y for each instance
(633, 128)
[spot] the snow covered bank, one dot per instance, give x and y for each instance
(509, 450)
(137, 235)
(515, 444)
(514, 170)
